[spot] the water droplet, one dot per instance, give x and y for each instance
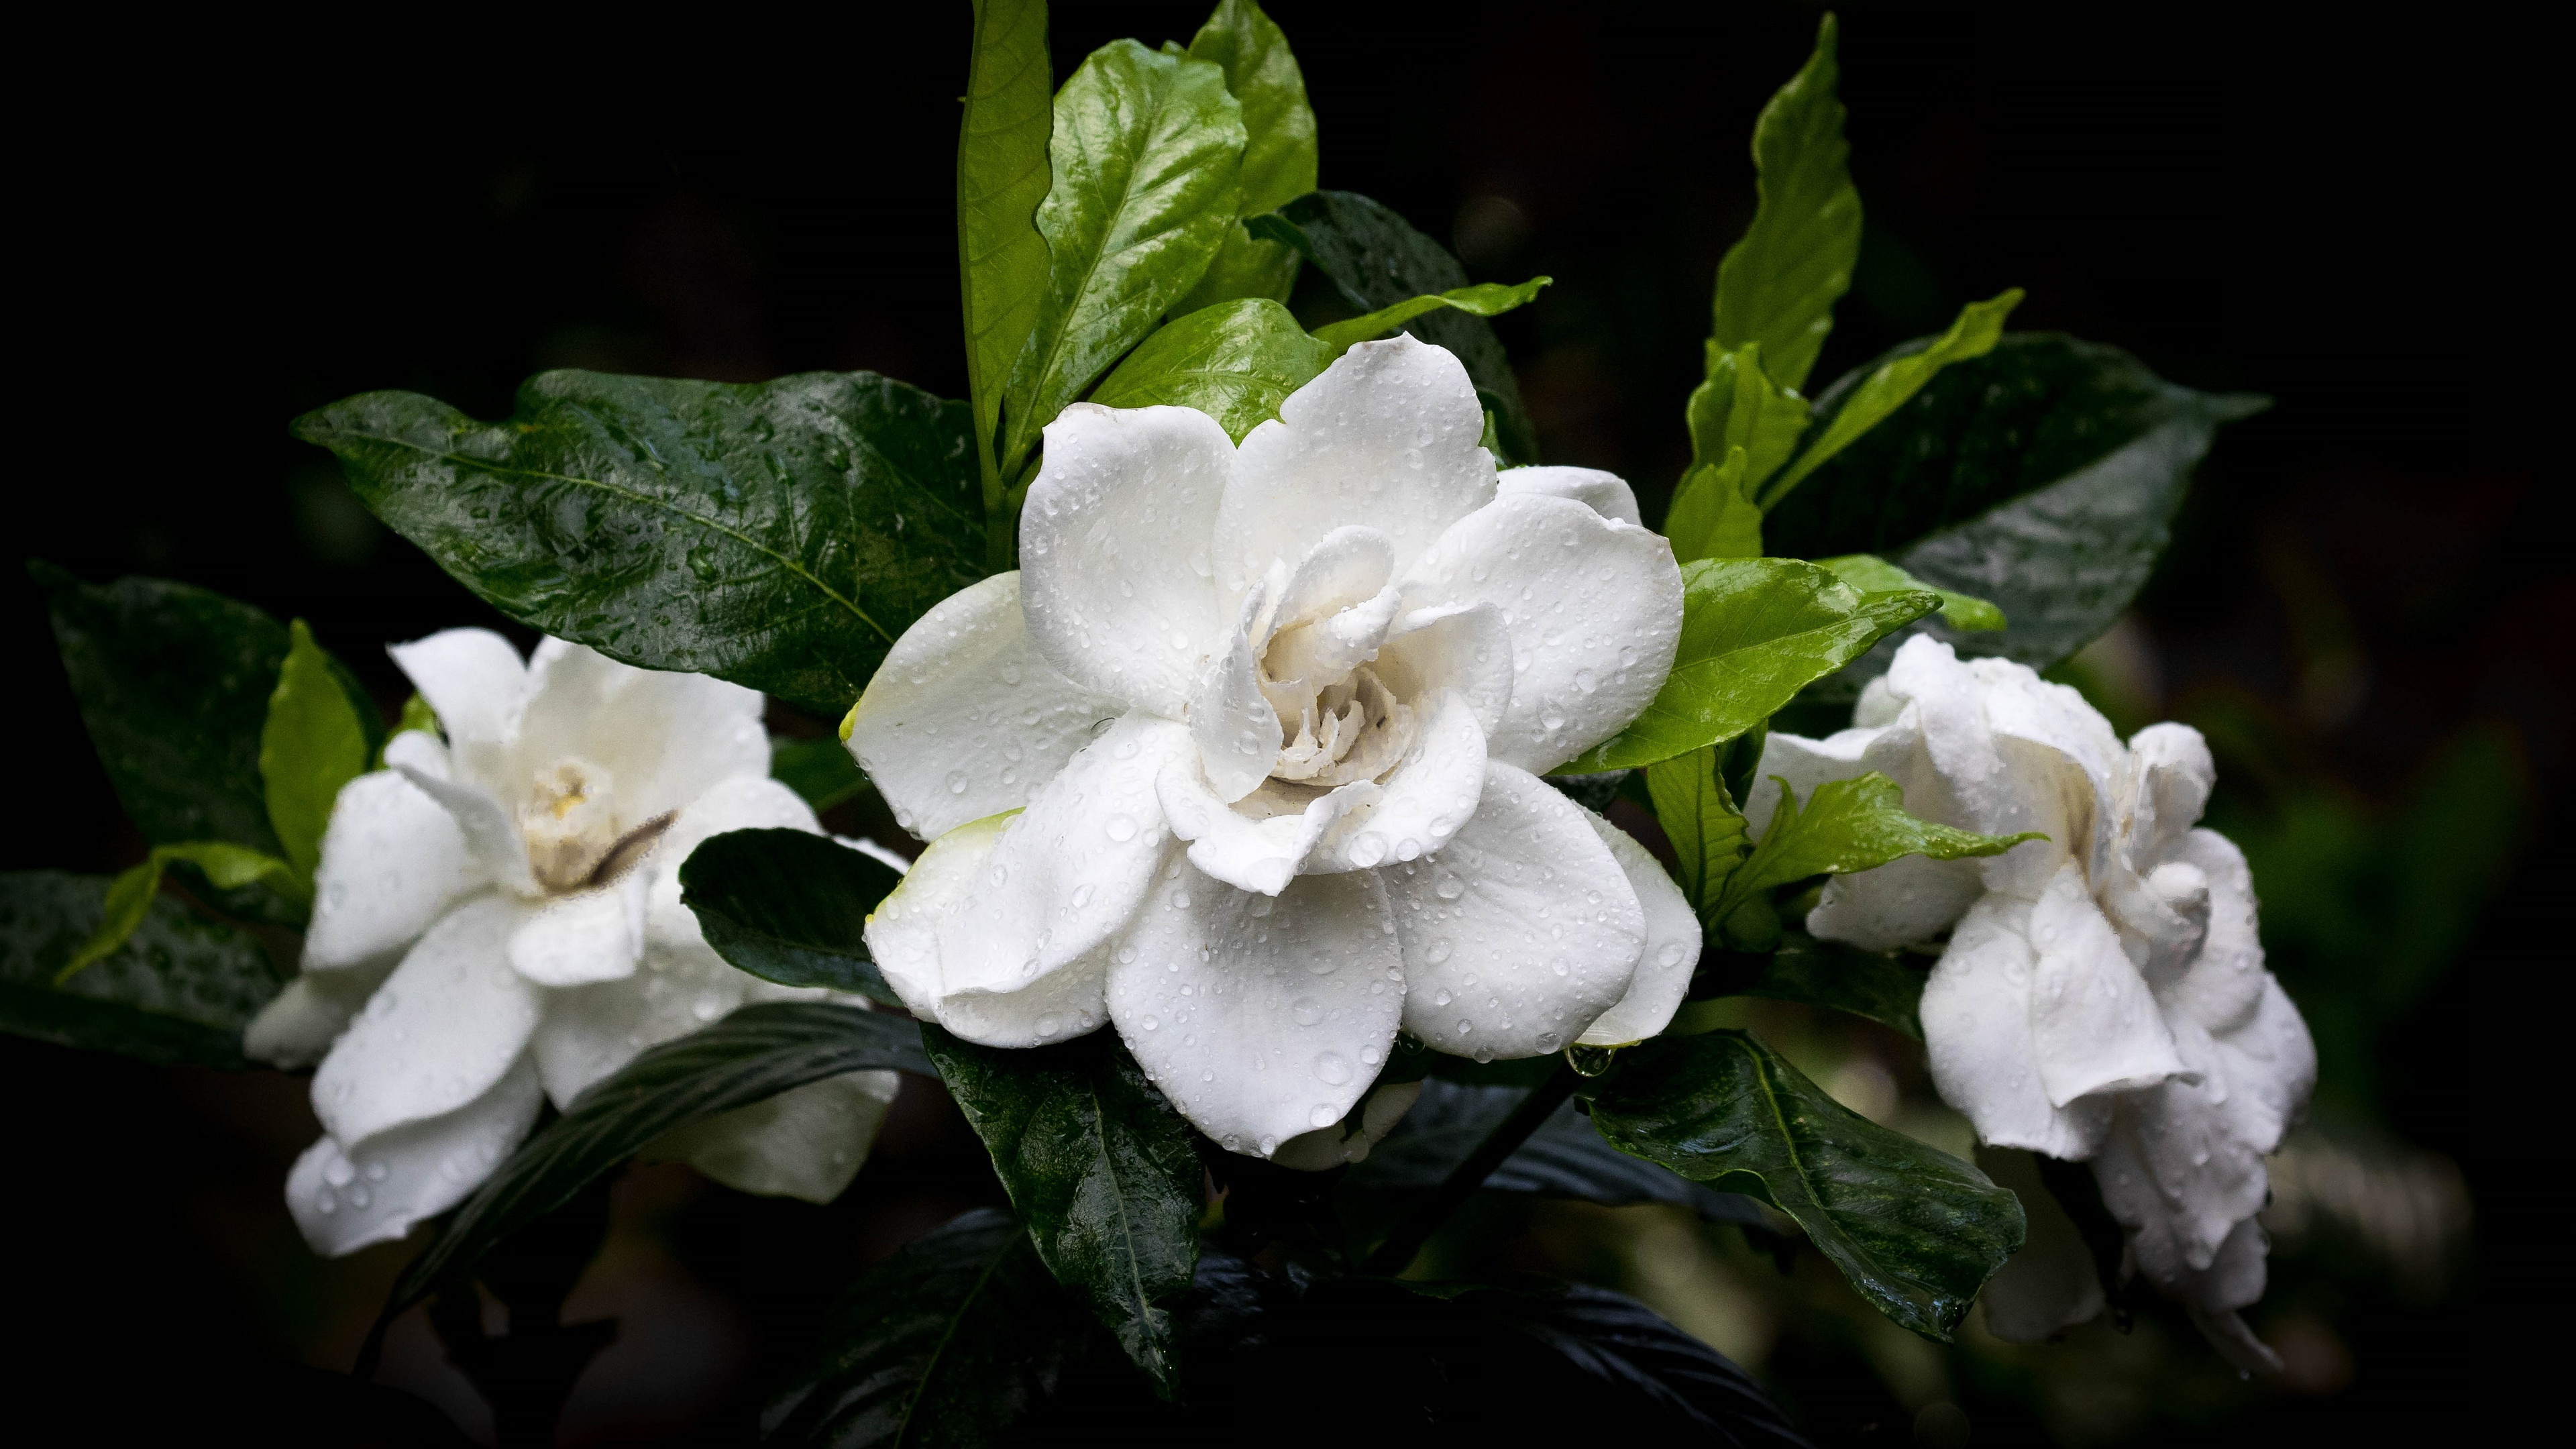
(1322, 1116)
(1437, 952)
(1586, 681)
(1049, 1026)
(1121, 828)
(957, 782)
(1671, 955)
(1333, 1068)
(1306, 1011)
(1448, 888)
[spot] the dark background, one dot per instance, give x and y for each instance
(222, 229)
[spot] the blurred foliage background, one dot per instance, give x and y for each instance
(2365, 606)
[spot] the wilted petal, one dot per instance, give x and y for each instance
(1607, 494)
(807, 1142)
(471, 677)
(1976, 1014)
(374, 1193)
(1593, 607)
(1673, 940)
(393, 861)
(1260, 1017)
(965, 718)
(442, 1029)
(1114, 571)
(1522, 932)
(1390, 436)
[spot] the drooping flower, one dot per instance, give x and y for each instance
(2102, 995)
(498, 922)
(1245, 758)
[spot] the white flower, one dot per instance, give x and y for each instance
(2102, 994)
(1273, 719)
(498, 918)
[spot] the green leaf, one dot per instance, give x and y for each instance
(1711, 515)
(1700, 817)
(1847, 826)
(1848, 413)
(179, 988)
(789, 907)
(1917, 1231)
(1485, 299)
(1871, 574)
(1754, 631)
(2043, 476)
(1235, 361)
(173, 683)
(1879, 985)
(226, 866)
(750, 1056)
(950, 1342)
(1147, 159)
(1279, 155)
(1737, 405)
(1099, 1166)
(1376, 259)
(781, 534)
(1002, 176)
(821, 772)
(314, 742)
(1778, 285)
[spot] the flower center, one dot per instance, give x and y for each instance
(568, 821)
(1347, 727)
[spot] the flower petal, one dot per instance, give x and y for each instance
(1248, 852)
(576, 940)
(344, 1200)
(1464, 647)
(2171, 776)
(440, 1031)
(1345, 567)
(903, 932)
(1519, 934)
(491, 836)
(392, 862)
(1594, 609)
(1604, 493)
(1260, 1018)
(298, 1025)
(664, 737)
(1425, 802)
(807, 1142)
(1326, 1148)
(1389, 436)
(965, 718)
(1976, 1032)
(1232, 722)
(2094, 1026)
(736, 804)
(1114, 574)
(471, 677)
(1673, 940)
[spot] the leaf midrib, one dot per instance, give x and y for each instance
(930, 1367)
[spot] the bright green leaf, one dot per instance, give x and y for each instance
(1917, 1231)
(1279, 154)
(1711, 516)
(313, 743)
(790, 907)
(1235, 361)
(1485, 299)
(1700, 817)
(1002, 176)
(1738, 406)
(1147, 158)
(1376, 259)
(781, 534)
(130, 896)
(1847, 826)
(1099, 1166)
(1871, 574)
(750, 1056)
(821, 772)
(1754, 631)
(416, 715)
(2043, 476)
(1849, 413)
(177, 989)
(1778, 285)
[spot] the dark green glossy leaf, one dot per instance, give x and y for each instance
(179, 989)
(821, 772)
(789, 907)
(313, 742)
(1484, 299)
(1002, 176)
(1754, 631)
(1917, 1231)
(750, 1056)
(1234, 361)
(1147, 158)
(173, 683)
(1847, 412)
(2042, 476)
(1279, 154)
(1871, 574)
(1100, 1167)
(1848, 825)
(1882, 986)
(1700, 817)
(1777, 286)
(950, 1342)
(781, 534)
(1376, 259)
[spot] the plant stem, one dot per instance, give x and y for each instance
(1398, 1251)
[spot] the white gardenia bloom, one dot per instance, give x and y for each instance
(2102, 995)
(498, 921)
(1271, 719)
